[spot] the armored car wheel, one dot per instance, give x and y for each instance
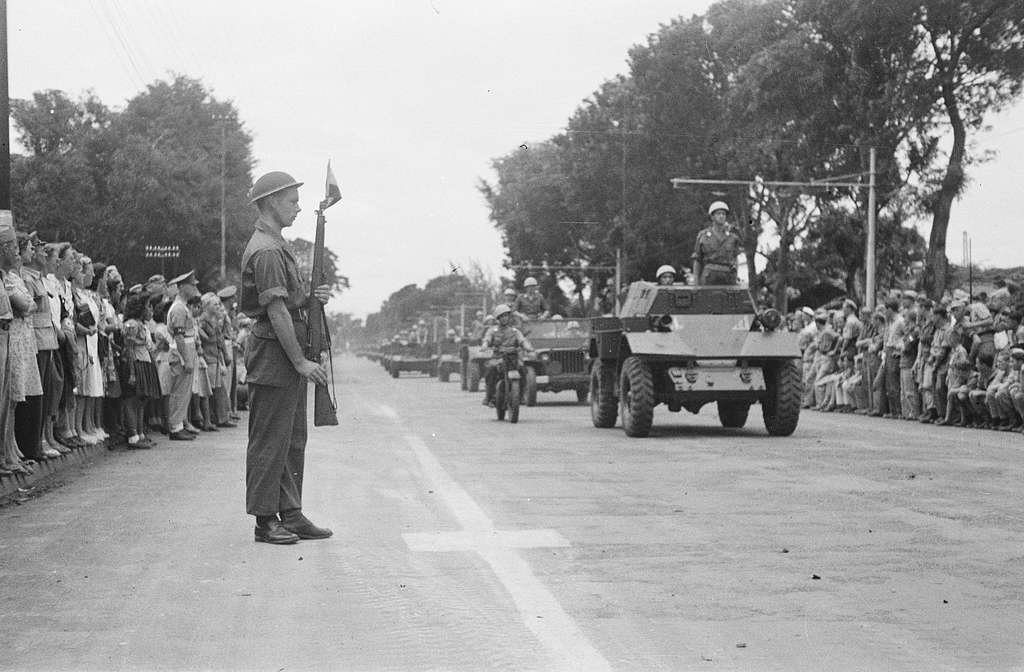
(780, 406)
(394, 371)
(443, 374)
(474, 377)
(636, 397)
(733, 414)
(530, 386)
(603, 405)
(581, 395)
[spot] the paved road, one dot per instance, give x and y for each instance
(466, 544)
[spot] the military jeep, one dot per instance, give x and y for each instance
(562, 359)
(685, 347)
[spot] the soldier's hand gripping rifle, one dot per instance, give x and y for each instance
(324, 401)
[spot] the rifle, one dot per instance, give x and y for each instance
(319, 338)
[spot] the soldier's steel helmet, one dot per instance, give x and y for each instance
(530, 282)
(663, 269)
(501, 309)
(717, 205)
(271, 183)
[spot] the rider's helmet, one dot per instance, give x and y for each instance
(663, 269)
(501, 309)
(717, 205)
(530, 282)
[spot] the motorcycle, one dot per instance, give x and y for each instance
(509, 388)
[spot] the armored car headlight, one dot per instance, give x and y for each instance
(771, 319)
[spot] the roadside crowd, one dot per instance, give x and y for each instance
(958, 361)
(85, 360)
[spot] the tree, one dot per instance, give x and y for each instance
(58, 187)
(304, 259)
(166, 175)
(974, 53)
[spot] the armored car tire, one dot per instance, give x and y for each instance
(530, 386)
(636, 397)
(581, 395)
(394, 371)
(463, 378)
(604, 407)
(783, 390)
(474, 377)
(733, 414)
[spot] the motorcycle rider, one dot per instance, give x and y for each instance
(501, 338)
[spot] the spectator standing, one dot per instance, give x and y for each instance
(895, 332)
(26, 384)
(181, 356)
(139, 379)
(90, 389)
(807, 341)
(31, 413)
(10, 456)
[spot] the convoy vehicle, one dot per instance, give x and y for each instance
(447, 360)
(687, 346)
(562, 360)
(410, 357)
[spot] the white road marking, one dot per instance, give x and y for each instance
(539, 610)
(387, 411)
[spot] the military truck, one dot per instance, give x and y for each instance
(562, 360)
(686, 346)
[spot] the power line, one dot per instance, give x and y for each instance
(126, 62)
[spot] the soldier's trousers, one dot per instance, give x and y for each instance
(275, 459)
(180, 396)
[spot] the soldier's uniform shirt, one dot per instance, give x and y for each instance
(716, 252)
(269, 271)
(275, 457)
(180, 323)
(506, 337)
(532, 306)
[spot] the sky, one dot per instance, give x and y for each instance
(410, 100)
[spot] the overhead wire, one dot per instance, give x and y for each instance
(125, 59)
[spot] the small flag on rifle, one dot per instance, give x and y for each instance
(332, 193)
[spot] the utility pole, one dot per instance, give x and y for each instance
(869, 253)
(223, 193)
(5, 114)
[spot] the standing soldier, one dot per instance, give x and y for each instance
(275, 296)
(532, 304)
(714, 255)
(182, 356)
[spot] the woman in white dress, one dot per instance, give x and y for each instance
(90, 388)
